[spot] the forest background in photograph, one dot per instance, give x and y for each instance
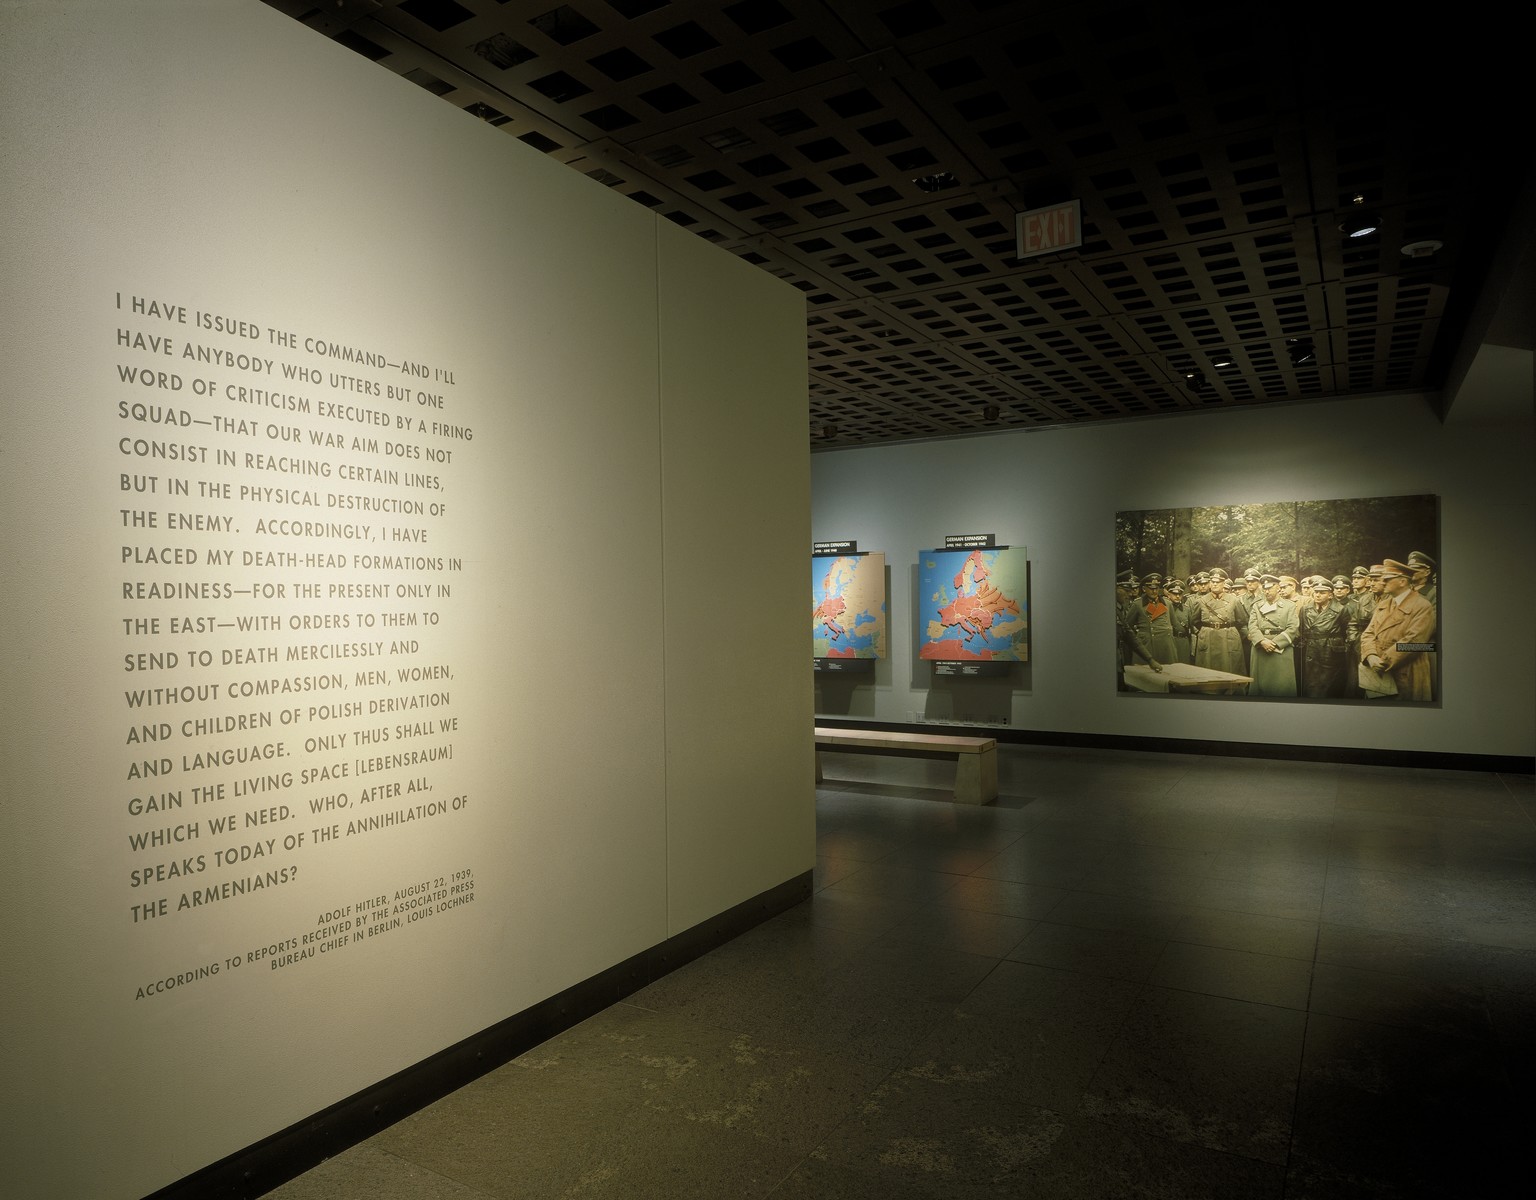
(1294, 537)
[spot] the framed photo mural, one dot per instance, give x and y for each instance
(1326, 600)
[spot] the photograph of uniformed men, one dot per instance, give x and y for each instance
(1313, 600)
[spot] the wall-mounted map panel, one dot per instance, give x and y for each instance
(848, 608)
(975, 605)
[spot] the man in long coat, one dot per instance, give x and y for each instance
(1330, 638)
(1218, 644)
(1272, 629)
(1402, 618)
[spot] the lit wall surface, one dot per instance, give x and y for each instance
(395, 637)
(1057, 492)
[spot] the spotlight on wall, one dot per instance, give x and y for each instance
(1359, 223)
(1302, 352)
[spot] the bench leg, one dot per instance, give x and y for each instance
(976, 778)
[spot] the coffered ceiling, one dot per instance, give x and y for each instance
(875, 153)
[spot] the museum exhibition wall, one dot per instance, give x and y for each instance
(398, 634)
(1058, 491)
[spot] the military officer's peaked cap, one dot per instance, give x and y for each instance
(1202, 577)
(1217, 573)
(1417, 558)
(1390, 567)
(1341, 581)
(1376, 571)
(1252, 573)
(1359, 573)
(1125, 579)
(1152, 577)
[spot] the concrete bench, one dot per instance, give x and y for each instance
(975, 757)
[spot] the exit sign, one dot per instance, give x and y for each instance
(1047, 230)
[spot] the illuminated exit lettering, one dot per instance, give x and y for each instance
(1047, 230)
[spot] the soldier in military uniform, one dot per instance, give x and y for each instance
(1178, 617)
(1403, 618)
(1329, 635)
(1423, 577)
(1247, 592)
(1158, 626)
(1423, 581)
(1199, 587)
(1297, 591)
(1366, 601)
(1272, 629)
(1129, 644)
(1218, 645)
(1347, 594)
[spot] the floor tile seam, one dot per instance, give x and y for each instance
(1268, 911)
(992, 912)
(435, 1171)
(1301, 1068)
(1428, 877)
(1444, 937)
(1179, 941)
(1121, 929)
(1520, 801)
(1193, 991)
(1143, 989)
(1453, 857)
(1094, 887)
(1478, 983)
(1490, 1042)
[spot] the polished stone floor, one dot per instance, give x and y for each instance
(1139, 975)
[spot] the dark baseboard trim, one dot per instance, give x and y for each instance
(1508, 764)
(275, 1160)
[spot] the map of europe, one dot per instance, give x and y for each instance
(848, 606)
(974, 605)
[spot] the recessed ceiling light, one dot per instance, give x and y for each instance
(1359, 223)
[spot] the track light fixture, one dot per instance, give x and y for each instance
(1302, 352)
(990, 414)
(1195, 378)
(937, 182)
(1221, 358)
(828, 432)
(1359, 223)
